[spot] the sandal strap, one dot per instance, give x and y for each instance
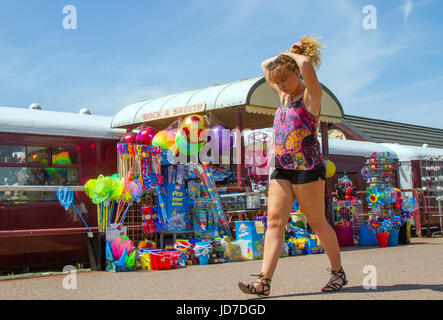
(265, 286)
(339, 275)
(261, 276)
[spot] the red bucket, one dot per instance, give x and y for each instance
(160, 260)
(173, 258)
(382, 239)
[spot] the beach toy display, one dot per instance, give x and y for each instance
(120, 255)
(140, 162)
(346, 212)
(390, 207)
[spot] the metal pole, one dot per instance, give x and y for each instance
(328, 189)
(5, 188)
(240, 149)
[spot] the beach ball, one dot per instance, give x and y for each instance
(146, 135)
(186, 148)
(192, 127)
(220, 137)
(164, 139)
(128, 138)
(330, 169)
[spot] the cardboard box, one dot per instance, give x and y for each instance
(250, 250)
(249, 230)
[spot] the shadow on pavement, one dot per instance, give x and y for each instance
(360, 289)
(412, 244)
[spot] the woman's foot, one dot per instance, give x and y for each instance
(337, 281)
(260, 287)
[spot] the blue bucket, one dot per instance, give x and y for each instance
(367, 237)
(393, 238)
(199, 248)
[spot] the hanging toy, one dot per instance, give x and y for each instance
(148, 222)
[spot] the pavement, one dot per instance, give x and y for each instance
(394, 273)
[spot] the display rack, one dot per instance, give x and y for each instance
(431, 170)
(134, 218)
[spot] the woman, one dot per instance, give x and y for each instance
(299, 167)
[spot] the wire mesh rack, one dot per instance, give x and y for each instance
(431, 170)
(134, 218)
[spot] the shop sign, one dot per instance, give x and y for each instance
(174, 112)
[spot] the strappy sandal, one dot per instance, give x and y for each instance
(333, 286)
(251, 289)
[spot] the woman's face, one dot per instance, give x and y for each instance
(290, 85)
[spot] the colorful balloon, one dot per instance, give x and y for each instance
(164, 139)
(192, 127)
(145, 136)
(187, 148)
(330, 169)
(222, 134)
(129, 138)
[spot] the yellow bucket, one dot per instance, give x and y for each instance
(146, 261)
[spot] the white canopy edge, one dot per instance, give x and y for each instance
(43, 122)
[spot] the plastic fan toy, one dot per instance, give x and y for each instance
(65, 196)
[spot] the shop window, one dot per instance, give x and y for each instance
(35, 177)
(64, 156)
(12, 154)
(37, 155)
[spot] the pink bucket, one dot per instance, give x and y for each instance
(344, 236)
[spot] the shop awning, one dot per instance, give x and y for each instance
(253, 97)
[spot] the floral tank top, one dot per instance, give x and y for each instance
(295, 145)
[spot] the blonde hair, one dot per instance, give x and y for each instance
(283, 65)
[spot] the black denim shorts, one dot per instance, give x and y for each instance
(299, 176)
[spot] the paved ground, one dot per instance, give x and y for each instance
(414, 271)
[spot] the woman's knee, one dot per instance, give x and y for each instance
(318, 224)
(276, 220)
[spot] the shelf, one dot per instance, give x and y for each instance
(240, 211)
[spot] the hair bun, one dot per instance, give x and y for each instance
(311, 49)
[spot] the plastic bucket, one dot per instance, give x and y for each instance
(344, 236)
(145, 258)
(97, 250)
(220, 252)
(160, 261)
(201, 250)
(145, 261)
(182, 258)
(393, 238)
(382, 239)
(366, 237)
(173, 258)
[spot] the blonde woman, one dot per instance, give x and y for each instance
(299, 169)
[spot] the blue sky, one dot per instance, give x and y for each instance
(126, 51)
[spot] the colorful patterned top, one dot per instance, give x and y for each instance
(295, 145)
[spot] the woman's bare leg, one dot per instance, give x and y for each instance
(310, 196)
(280, 201)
